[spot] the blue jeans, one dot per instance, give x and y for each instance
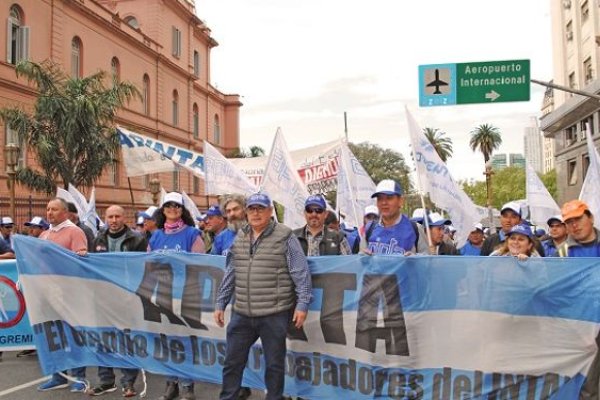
(107, 375)
(242, 333)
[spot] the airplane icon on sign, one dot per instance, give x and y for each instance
(437, 82)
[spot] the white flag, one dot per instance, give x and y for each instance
(589, 189)
(436, 180)
(282, 182)
(91, 216)
(189, 204)
(355, 188)
(222, 176)
(79, 200)
(541, 204)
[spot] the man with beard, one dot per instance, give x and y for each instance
(317, 239)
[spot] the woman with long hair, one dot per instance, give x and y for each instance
(176, 231)
(519, 243)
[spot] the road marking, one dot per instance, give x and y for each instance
(24, 386)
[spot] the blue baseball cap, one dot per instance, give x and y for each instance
(149, 213)
(435, 219)
(38, 222)
(315, 200)
(214, 211)
(521, 229)
(389, 187)
(258, 199)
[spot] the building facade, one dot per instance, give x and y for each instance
(499, 161)
(161, 46)
(566, 116)
(532, 144)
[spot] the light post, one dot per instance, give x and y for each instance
(488, 185)
(11, 158)
(155, 190)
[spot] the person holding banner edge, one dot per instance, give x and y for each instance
(117, 237)
(176, 231)
(66, 234)
(268, 273)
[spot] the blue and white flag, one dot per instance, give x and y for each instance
(222, 176)
(282, 182)
(379, 326)
(144, 155)
(435, 179)
(541, 204)
(355, 188)
(589, 189)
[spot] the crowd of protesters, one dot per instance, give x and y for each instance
(273, 296)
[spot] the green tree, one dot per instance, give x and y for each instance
(440, 142)
(485, 138)
(508, 184)
(253, 151)
(71, 130)
(549, 180)
(382, 163)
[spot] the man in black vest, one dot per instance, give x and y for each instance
(268, 273)
(315, 238)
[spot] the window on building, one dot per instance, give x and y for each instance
(587, 70)
(76, 57)
(569, 31)
(585, 11)
(585, 164)
(17, 41)
(572, 172)
(216, 130)
(571, 135)
(196, 183)
(175, 108)
(115, 68)
(12, 137)
(113, 173)
(583, 125)
(132, 22)
(175, 180)
(176, 42)
(572, 83)
(146, 182)
(196, 121)
(196, 63)
(146, 94)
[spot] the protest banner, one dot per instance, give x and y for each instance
(144, 155)
(15, 330)
(382, 326)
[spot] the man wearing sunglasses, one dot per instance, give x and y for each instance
(315, 238)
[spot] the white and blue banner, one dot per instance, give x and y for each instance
(144, 155)
(15, 329)
(416, 327)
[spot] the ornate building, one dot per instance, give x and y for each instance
(159, 45)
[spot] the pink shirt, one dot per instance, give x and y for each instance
(67, 235)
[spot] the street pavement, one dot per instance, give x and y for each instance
(19, 378)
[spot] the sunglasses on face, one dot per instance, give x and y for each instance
(172, 205)
(8, 226)
(314, 210)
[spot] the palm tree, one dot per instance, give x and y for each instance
(485, 138)
(71, 130)
(439, 141)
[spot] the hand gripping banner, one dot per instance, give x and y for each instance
(416, 327)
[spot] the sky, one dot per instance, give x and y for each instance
(300, 64)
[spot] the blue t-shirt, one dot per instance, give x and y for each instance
(395, 239)
(469, 250)
(222, 242)
(352, 237)
(180, 241)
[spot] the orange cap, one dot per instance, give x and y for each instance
(573, 209)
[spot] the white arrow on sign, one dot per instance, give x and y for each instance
(493, 95)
